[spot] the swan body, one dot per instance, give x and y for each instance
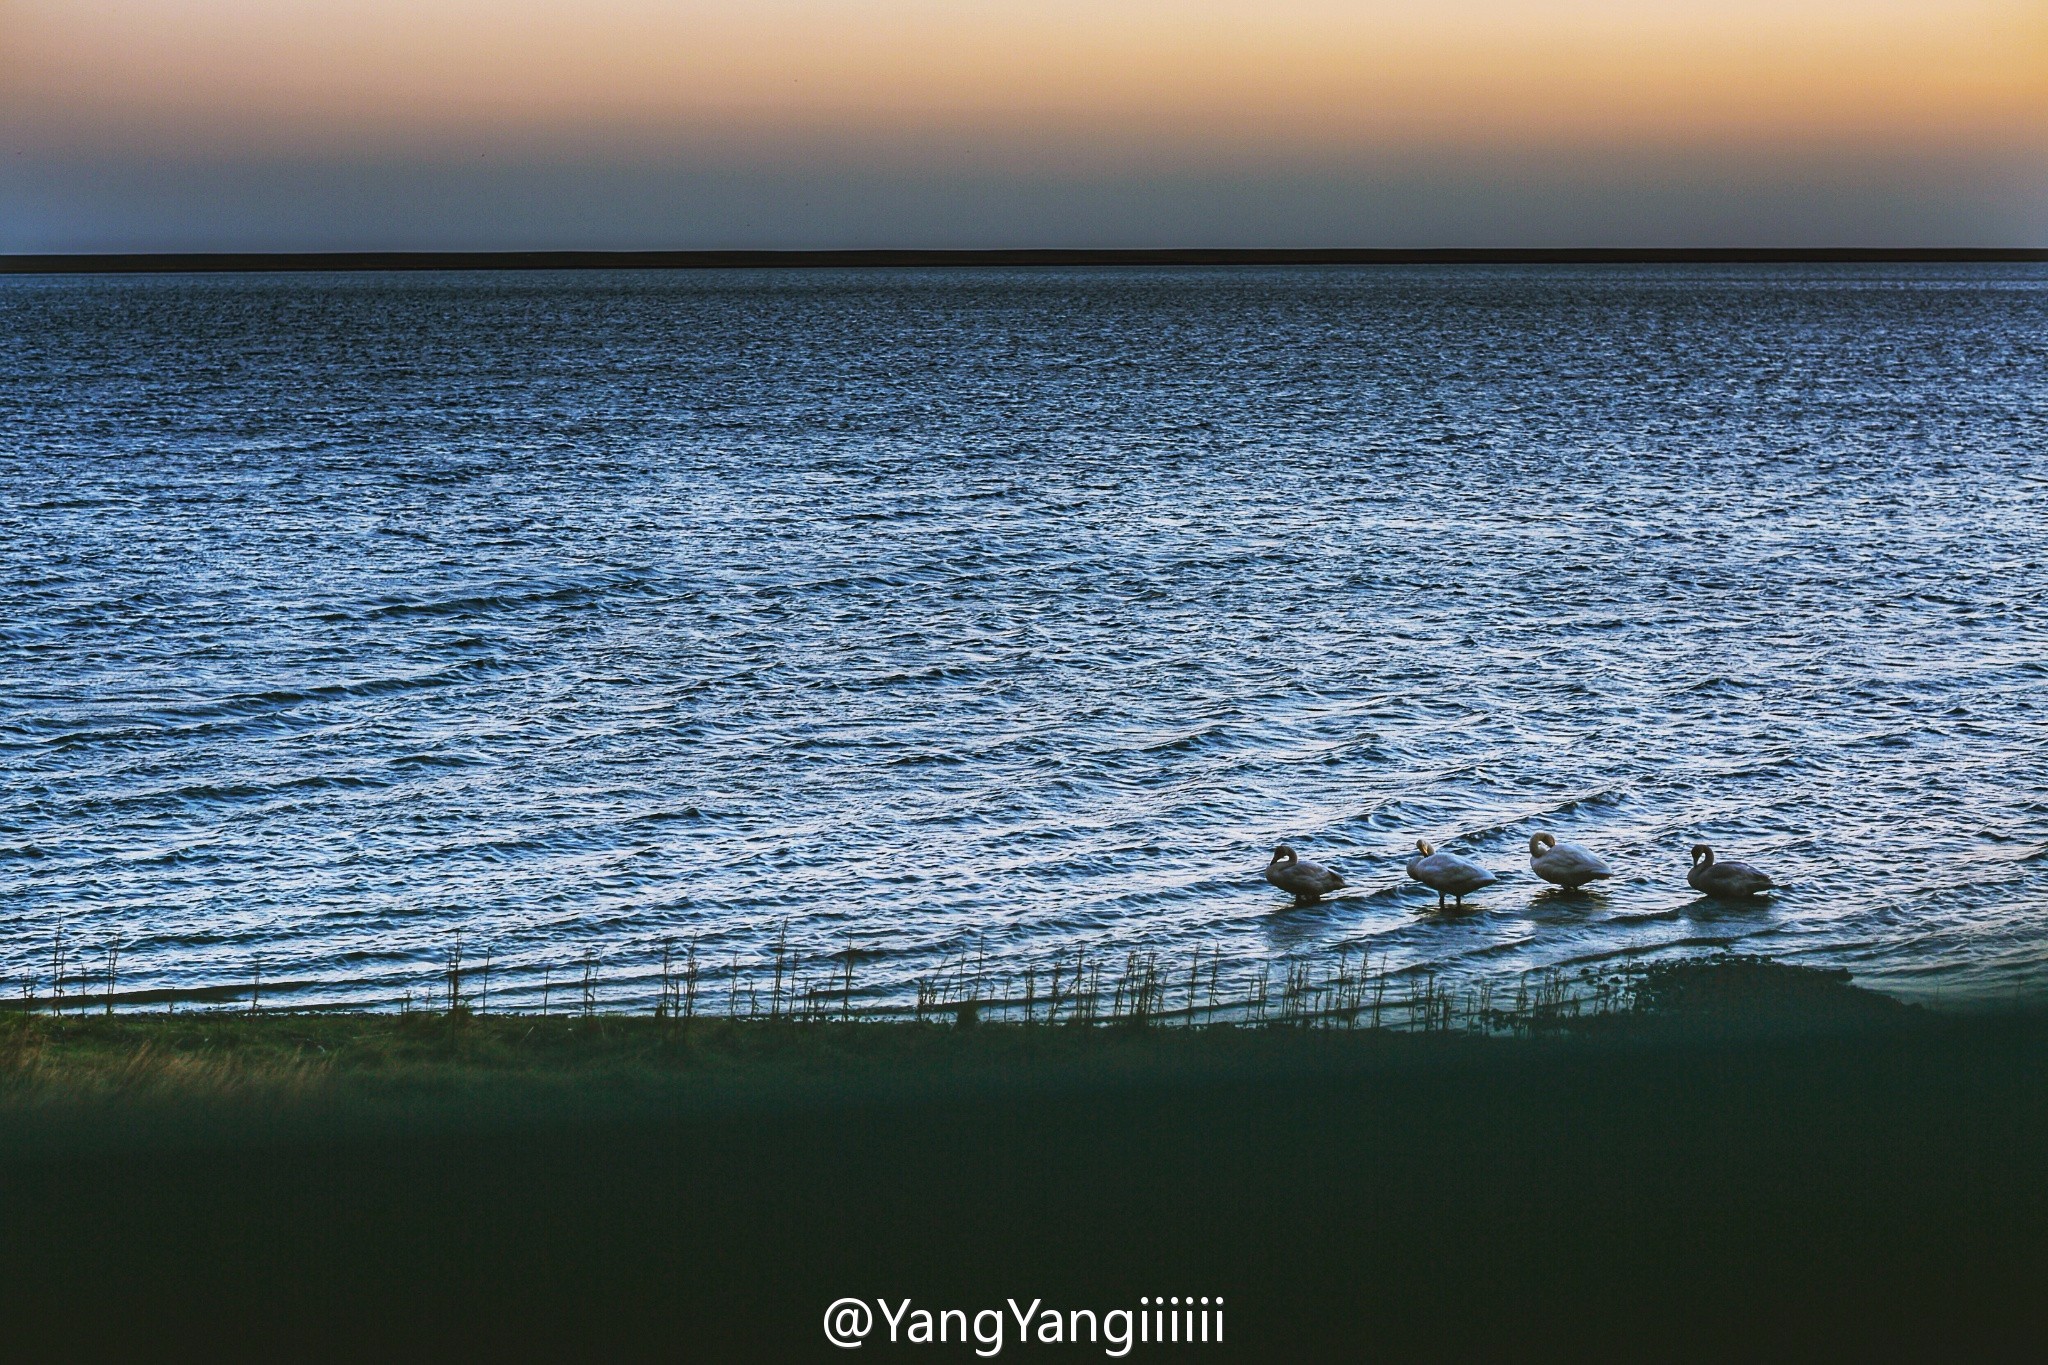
(1726, 880)
(1307, 882)
(1565, 865)
(1447, 874)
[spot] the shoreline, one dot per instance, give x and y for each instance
(231, 1054)
(1332, 991)
(1342, 987)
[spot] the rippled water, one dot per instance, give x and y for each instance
(1023, 608)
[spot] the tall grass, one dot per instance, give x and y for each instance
(1345, 987)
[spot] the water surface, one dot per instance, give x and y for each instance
(940, 610)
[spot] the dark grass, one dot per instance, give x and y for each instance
(1764, 1163)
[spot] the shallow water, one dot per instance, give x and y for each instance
(935, 610)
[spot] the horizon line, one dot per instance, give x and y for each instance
(182, 262)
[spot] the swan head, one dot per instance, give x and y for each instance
(1422, 847)
(1285, 854)
(1539, 842)
(1700, 851)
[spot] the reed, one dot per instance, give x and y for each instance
(57, 967)
(781, 950)
(1346, 987)
(453, 973)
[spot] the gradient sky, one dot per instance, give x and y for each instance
(254, 124)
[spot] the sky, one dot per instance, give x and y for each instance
(480, 124)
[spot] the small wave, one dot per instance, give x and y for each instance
(930, 758)
(1720, 683)
(483, 604)
(1637, 950)
(681, 814)
(438, 759)
(223, 793)
(1502, 949)
(1604, 798)
(1189, 741)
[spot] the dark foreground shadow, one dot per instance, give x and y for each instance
(1764, 1185)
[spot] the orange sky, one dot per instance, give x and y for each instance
(1201, 77)
(1926, 99)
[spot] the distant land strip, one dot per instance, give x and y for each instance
(68, 263)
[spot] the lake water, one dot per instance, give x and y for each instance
(953, 611)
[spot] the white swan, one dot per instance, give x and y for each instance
(1447, 874)
(1730, 880)
(1565, 865)
(1307, 882)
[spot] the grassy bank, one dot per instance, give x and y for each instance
(1754, 1159)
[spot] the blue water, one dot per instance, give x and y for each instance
(1013, 611)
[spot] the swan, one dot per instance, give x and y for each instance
(1307, 882)
(1565, 865)
(1710, 878)
(1447, 874)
